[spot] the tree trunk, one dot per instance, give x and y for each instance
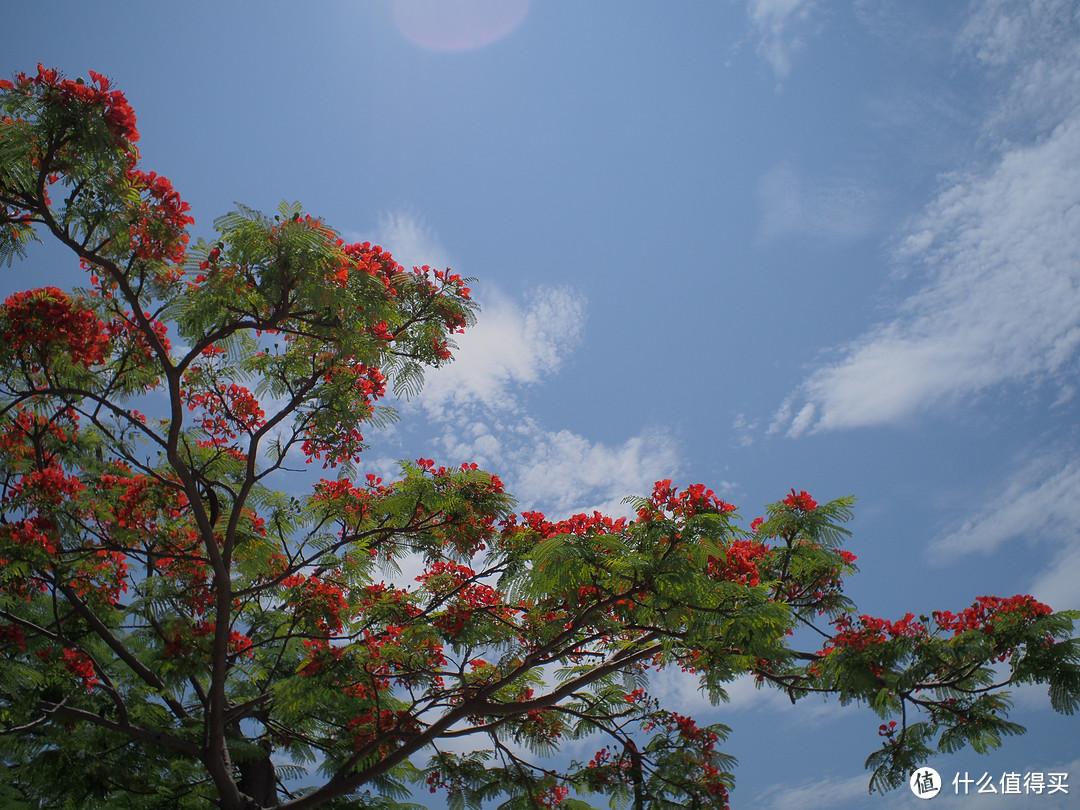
(258, 780)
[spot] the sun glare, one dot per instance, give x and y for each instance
(457, 25)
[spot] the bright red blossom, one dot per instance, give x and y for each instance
(39, 323)
(695, 499)
(741, 563)
(317, 600)
(117, 112)
(989, 612)
(79, 665)
(801, 501)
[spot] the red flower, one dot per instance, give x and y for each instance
(81, 666)
(802, 501)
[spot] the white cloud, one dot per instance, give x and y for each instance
(1057, 585)
(1040, 501)
(509, 346)
(1029, 698)
(571, 473)
(781, 27)
(1001, 303)
(1035, 47)
(744, 430)
(835, 209)
(474, 405)
(682, 692)
(1000, 295)
(412, 243)
(559, 471)
(813, 795)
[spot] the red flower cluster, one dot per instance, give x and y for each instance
(50, 486)
(363, 381)
(552, 797)
(107, 577)
(226, 410)
(30, 435)
(370, 724)
(12, 634)
(887, 729)
(127, 336)
(48, 319)
(320, 655)
(32, 533)
(801, 501)
(451, 280)
(317, 600)
(157, 232)
(704, 741)
(741, 563)
(336, 447)
(381, 330)
(579, 525)
(988, 612)
(332, 435)
(694, 500)
(374, 261)
(870, 631)
(118, 114)
(191, 573)
(79, 665)
(456, 583)
(132, 509)
(154, 214)
(181, 639)
(437, 780)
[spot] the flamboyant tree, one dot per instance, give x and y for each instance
(181, 626)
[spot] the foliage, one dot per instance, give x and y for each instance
(179, 631)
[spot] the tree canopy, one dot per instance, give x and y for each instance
(188, 618)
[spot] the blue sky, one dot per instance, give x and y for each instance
(759, 244)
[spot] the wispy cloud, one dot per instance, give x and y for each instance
(1002, 302)
(781, 27)
(744, 429)
(569, 472)
(836, 209)
(1035, 49)
(817, 794)
(997, 249)
(411, 241)
(1042, 500)
(476, 400)
(510, 346)
(681, 691)
(473, 406)
(1040, 504)
(1056, 586)
(560, 471)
